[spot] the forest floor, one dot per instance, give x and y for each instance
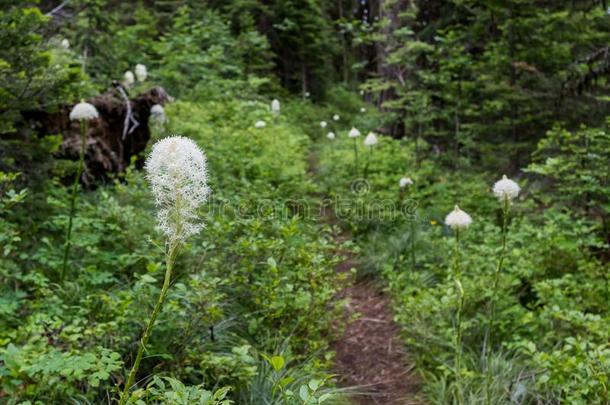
(371, 359)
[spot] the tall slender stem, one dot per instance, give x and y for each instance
(169, 266)
(492, 305)
(79, 171)
(413, 229)
(355, 156)
(369, 157)
(458, 320)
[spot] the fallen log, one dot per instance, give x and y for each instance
(120, 132)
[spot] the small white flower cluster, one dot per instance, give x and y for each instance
(323, 124)
(129, 79)
(362, 110)
(353, 133)
(336, 117)
(458, 219)
(157, 114)
(157, 109)
(141, 72)
(260, 124)
(370, 140)
(83, 112)
(330, 135)
(65, 44)
(275, 106)
(506, 189)
(404, 182)
(177, 171)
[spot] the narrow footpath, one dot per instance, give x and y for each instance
(370, 357)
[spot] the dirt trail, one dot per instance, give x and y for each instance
(369, 354)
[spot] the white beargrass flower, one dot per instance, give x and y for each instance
(323, 124)
(404, 182)
(157, 113)
(330, 135)
(362, 110)
(128, 78)
(370, 140)
(65, 44)
(275, 106)
(336, 117)
(141, 72)
(307, 94)
(83, 112)
(458, 219)
(506, 189)
(362, 92)
(157, 109)
(353, 133)
(260, 124)
(177, 171)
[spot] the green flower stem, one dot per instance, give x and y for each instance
(169, 266)
(68, 240)
(492, 306)
(458, 320)
(369, 157)
(413, 229)
(356, 156)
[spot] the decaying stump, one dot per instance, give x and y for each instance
(110, 142)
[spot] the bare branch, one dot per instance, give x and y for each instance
(57, 9)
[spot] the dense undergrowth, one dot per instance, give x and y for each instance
(550, 337)
(461, 90)
(257, 283)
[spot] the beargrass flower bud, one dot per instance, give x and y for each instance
(336, 117)
(330, 135)
(141, 72)
(65, 44)
(83, 112)
(260, 124)
(128, 78)
(370, 140)
(323, 124)
(506, 189)
(362, 110)
(458, 219)
(177, 171)
(404, 182)
(275, 106)
(353, 133)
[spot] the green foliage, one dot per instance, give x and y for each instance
(260, 272)
(204, 51)
(34, 71)
(469, 90)
(134, 42)
(279, 382)
(177, 393)
(552, 320)
(576, 164)
(490, 73)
